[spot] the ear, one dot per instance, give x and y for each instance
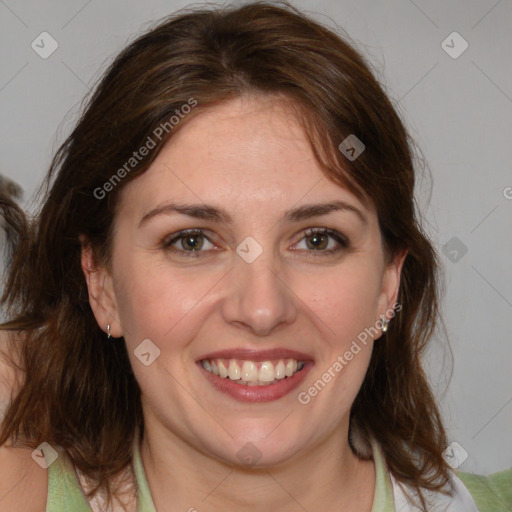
(101, 290)
(390, 286)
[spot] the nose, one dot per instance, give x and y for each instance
(257, 298)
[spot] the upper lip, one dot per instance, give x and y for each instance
(257, 355)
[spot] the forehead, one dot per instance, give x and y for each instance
(246, 153)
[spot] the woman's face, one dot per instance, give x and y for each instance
(250, 291)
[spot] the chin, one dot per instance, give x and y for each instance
(258, 450)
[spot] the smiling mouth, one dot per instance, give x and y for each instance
(253, 373)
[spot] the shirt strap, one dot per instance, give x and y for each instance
(144, 499)
(64, 491)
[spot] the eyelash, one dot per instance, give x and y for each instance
(338, 237)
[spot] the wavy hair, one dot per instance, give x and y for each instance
(80, 392)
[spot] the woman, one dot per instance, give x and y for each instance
(226, 289)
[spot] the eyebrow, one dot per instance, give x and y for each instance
(207, 212)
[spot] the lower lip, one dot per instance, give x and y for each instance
(256, 394)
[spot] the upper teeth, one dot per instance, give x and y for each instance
(251, 371)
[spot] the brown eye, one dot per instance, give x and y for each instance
(192, 241)
(188, 243)
(317, 241)
(324, 241)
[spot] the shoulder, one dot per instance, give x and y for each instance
(23, 484)
(40, 480)
(491, 493)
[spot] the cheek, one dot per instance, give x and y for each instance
(345, 300)
(345, 303)
(157, 301)
(347, 343)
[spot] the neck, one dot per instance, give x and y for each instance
(183, 478)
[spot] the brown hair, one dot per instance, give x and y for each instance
(80, 392)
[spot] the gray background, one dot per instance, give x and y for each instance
(458, 111)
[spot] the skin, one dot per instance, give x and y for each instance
(250, 157)
(23, 484)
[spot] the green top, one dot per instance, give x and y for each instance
(491, 493)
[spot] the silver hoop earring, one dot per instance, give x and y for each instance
(108, 331)
(384, 323)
